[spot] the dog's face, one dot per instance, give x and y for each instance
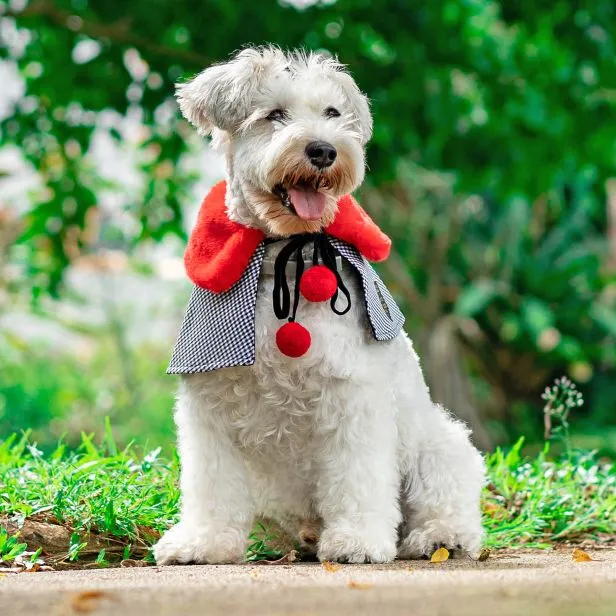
(294, 126)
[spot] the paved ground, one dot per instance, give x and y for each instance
(520, 584)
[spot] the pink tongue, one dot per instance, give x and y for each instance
(308, 204)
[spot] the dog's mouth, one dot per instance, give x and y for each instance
(305, 198)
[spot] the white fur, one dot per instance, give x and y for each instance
(344, 441)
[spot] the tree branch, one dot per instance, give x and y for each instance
(118, 32)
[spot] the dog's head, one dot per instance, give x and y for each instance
(294, 125)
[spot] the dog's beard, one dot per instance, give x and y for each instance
(302, 199)
(280, 219)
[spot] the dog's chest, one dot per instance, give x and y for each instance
(277, 402)
(332, 336)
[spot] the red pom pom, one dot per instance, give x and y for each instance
(293, 339)
(318, 284)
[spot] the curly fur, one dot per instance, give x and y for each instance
(342, 446)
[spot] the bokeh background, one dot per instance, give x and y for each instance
(493, 167)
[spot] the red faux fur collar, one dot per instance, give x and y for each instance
(219, 249)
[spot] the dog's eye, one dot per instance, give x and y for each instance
(331, 112)
(277, 115)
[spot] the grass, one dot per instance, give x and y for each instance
(96, 492)
(112, 505)
(540, 501)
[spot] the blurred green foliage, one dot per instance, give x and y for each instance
(501, 249)
(59, 396)
(517, 98)
(523, 290)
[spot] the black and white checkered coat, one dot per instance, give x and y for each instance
(218, 330)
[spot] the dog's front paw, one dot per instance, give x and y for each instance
(459, 539)
(349, 545)
(184, 544)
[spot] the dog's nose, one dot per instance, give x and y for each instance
(321, 154)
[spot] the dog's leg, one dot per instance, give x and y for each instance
(440, 499)
(442, 472)
(217, 509)
(357, 477)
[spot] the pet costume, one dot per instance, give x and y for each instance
(224, 259)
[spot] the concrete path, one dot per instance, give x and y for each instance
(507, 584)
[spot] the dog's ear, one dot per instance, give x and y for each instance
(358, 101)
(221, 95)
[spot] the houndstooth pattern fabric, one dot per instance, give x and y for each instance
(386, 319)
(218, 330)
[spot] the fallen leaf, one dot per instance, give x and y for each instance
(579, 556)
(491, 507)
(87, 601)
(440, 556)
(359, 585)
(330, 567)
(484, 555)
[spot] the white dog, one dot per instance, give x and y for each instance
(343, 446)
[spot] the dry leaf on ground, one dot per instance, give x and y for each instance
(330, 567)
(88, 600)
(484, 555)
(359, 585)
(440, 556)
(579, 556)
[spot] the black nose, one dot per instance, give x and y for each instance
(321, 154)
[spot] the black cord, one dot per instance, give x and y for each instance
(328, 255)
(282, 294)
